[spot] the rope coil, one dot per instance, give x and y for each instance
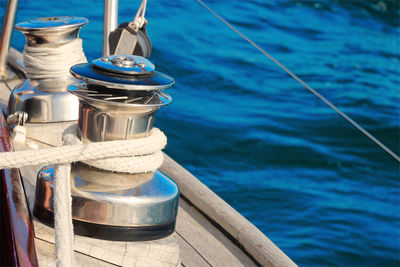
(131, 156)
(48, 62)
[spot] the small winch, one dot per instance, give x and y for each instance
(118, 99)
(53, 46)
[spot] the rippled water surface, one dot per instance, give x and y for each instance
(310, 181)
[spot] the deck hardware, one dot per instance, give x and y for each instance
(46, 99)
(114, 205)
(131, 37)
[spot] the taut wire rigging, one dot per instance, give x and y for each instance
(370, 136)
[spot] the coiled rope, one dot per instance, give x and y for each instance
(48, 62)
(344, 115)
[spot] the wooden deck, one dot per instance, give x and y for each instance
(200, 242)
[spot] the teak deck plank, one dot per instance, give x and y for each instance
(200, 242)
(189, 256)
(46, 251)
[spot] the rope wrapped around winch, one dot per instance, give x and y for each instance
(49, 62)
(130, 156)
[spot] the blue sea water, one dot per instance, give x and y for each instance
(316, 186)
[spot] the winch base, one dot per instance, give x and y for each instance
(109, 232)
(113, 206)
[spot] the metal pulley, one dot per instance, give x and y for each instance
(131, 37)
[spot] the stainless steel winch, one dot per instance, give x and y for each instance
(47, 100)
(118, 99)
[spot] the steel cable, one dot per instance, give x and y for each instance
(370, 136)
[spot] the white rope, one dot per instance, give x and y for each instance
(43, 62)
(64, 231)
(135, 149)
(136, 164)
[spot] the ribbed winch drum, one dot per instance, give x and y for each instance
(53, 46)
(118, 98)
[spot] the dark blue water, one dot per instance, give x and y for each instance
(312, 183)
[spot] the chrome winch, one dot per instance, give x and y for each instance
(45, 99)
(118, 99)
